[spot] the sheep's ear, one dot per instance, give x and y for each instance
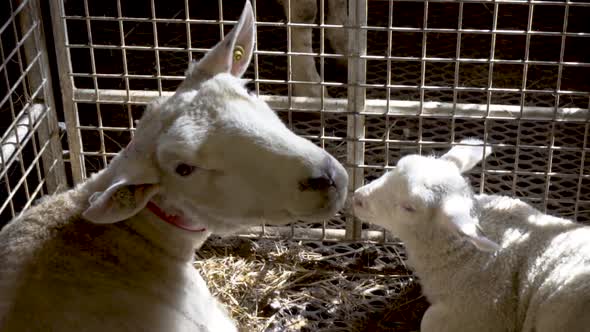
(134, 183)
(231, 55)
(456, 216)
(119, 202)
(467, 155)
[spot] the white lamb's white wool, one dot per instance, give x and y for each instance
(486, 263)
(115, 252)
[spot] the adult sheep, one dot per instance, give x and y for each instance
(115, 252)
(486, 262)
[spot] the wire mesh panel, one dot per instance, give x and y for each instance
(369, 81)
(30, 159)
(511, 72)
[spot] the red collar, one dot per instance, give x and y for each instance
(174, 220)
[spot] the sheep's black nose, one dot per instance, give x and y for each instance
(358, 202)
(329, 177)
(321, 183)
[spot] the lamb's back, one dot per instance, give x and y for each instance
(545, 258)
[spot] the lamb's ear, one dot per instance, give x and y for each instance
(456, 216)
(467, 155)
(134, 183)
(231, 55)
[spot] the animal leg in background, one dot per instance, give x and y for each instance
(337, 14)
(303, 66)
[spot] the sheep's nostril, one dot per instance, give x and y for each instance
(358, 202)
(317, 184)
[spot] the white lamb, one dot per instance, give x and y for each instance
(486, 263)
(115, 253)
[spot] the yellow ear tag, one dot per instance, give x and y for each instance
(238, 53)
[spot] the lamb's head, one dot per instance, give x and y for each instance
(215, 154)
(427, 196)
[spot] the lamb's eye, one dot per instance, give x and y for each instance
(184, 169)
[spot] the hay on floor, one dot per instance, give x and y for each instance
(270, 285)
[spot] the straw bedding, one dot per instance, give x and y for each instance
(286, 285)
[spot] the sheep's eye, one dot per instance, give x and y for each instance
(408, 208)
(184, 169)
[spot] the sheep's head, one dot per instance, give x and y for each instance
(426, 194)
(218, 155)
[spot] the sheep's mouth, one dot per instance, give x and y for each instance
(218, 220)
(314, 217)
(328, 210)
(221, 222)
(364, 215)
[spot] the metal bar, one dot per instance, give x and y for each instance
(256, 63)
(323, 89)
(422, 74)
(357, 47)
(372, 106)
(322, 64)
(189, 40)
(64, 64)
(289, 66)
(522, 98)
(388, 127)
(156, 42)
(289, 78)
(456, 73)
(581, 173)
(436, 144)
(310, 25)
(40, 76)
(489, 94)
(397, 143)
(552, 135)
(298, 233)
(406, 87)
(125, 67)
(221, 21)
(8, 201)
(327, 55)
